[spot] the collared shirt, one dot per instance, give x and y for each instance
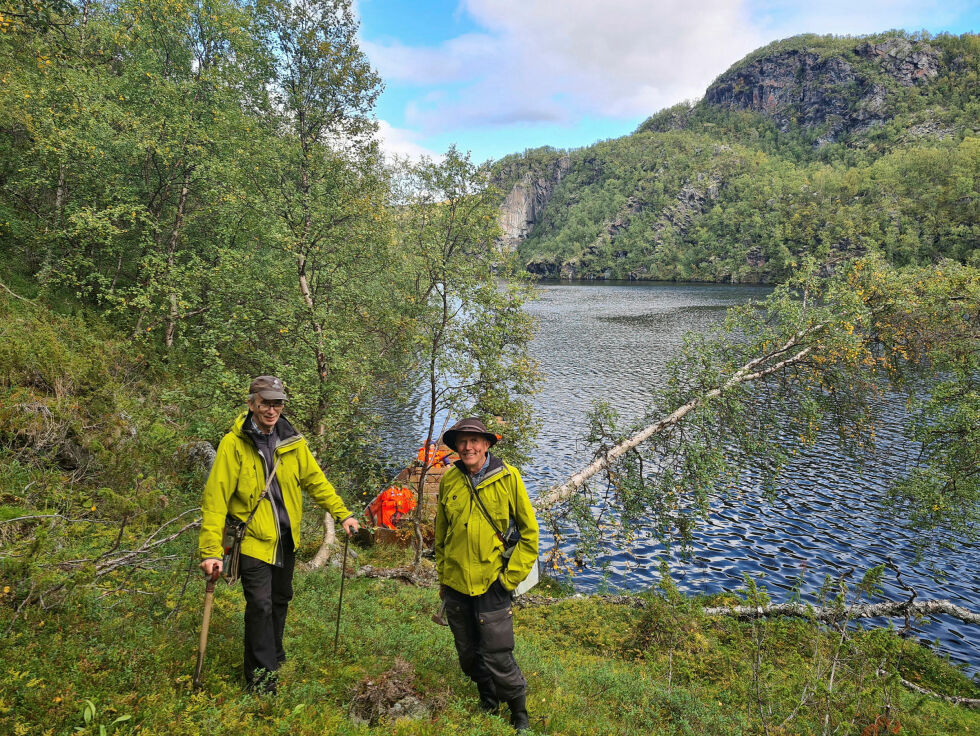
(480, 474)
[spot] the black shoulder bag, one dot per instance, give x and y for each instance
(235, 528)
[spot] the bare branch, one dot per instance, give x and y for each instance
(973, 703)
(16, 296)
(801, 610)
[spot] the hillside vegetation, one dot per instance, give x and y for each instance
(816, 145)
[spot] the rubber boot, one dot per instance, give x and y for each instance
(518, 714)
(488, 697)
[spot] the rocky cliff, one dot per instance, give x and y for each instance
(529, 185)
(830, 94)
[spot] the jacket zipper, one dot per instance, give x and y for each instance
(278, 561)
(277, 556)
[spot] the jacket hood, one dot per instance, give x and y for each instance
(284, 429)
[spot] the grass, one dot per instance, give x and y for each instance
(591, 668)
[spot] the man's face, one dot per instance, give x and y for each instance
(472, 449)
(265, 412)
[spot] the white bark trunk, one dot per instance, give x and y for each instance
(322, 556)
(746, 373)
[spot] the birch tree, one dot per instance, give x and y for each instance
(467, 299)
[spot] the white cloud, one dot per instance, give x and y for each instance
(548, 61)
(561, 61)
(402, 143)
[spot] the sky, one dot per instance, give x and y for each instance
(495, 77)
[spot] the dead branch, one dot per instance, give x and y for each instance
(830, 614)
(17, 296)
(423, 576)
(744, 374)
(973, 703)
(128, 557)
(861, 610)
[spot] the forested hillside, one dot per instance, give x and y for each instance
(822, 145)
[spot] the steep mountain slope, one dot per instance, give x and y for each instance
(813, 145)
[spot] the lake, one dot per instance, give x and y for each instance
(610, 342)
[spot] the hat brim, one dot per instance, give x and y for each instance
(449, 438)
(272, 395)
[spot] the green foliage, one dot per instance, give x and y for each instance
(467, 304)
(203, 176)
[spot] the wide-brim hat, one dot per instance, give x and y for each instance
(470, 424)
(269, 388)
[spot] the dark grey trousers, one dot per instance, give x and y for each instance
(268, 590)
(483, 628)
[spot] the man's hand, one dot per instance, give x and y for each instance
(350, 525)
(211, 567)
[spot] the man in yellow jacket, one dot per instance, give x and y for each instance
(261, 440)
(479, 498)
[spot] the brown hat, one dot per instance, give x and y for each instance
(470, 424)
(268, 387)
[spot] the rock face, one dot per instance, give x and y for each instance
(906, 62)
(691, 201)
(527, 198)
(829, 94)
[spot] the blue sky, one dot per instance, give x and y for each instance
(498, 76)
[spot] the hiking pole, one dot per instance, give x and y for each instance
(205, 625)
(343, 576)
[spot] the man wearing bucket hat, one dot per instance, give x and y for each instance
(481, 501)
(262, 440)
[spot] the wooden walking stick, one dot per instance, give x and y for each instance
(205, 624)
(340, 603)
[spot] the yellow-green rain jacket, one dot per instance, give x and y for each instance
(469, 555)
(238, 478)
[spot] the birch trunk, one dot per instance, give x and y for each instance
(745, 374)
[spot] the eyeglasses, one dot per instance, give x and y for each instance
(271, 404)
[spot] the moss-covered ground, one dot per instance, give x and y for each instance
(592, 668)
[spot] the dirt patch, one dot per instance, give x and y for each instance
(390, 696)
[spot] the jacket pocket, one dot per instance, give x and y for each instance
(497, 630)
(263, 526)
(249, 484)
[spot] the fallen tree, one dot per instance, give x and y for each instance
(827, 614)
(322, 556)
(745, 374)
(815, 357)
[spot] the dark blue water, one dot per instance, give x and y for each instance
(611, 342)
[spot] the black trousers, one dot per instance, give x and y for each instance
(483, 629)
(268, 590)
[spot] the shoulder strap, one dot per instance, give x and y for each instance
(265, 492)
(479, 502)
